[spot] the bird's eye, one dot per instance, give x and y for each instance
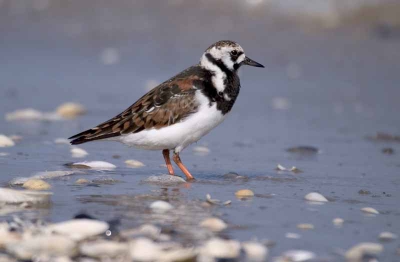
(234, 53)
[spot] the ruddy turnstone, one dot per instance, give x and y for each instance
(181, 110)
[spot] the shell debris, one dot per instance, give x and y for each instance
(70, 110)
(370, 210)
(78, 152)
(214, 224)
(305, 226)
(244, 193)
(96, 165)
(161, 206)
(357, 252)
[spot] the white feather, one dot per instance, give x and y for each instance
(219, 76)
(179, 135)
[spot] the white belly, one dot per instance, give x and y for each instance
(179, 135)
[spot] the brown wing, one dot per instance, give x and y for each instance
(165, 105)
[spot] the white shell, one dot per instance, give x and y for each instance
(78, 152)
(102, 248)
(338, 221)
(5, 141)
(219, 248)
(358, 251)
(70, 110)
(144, 250)
(213, 224)
(161, 206)
(370, 210)
(255, 252)
(41, 175)
(314, 196)
(97, 165)
(36, 184)
(387, 236)
(11, 196)
(298, 255)
(79, 229)
(134, 163)
(43, 246)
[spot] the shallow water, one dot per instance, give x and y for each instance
(327, 89)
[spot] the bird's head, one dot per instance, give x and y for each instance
(227, 55)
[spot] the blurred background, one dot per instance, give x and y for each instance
(331, 82)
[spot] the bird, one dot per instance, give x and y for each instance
(181, 110)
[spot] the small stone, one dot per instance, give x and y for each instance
(105, 181)
(338, 222)
(103, 248)
(305, 226)
(134, 163)
(387, 236)
(201, 150)
(71, 110)
(79, 229)
(292, 235)
(78, 152)
(97, 165)
(5, 141)
(357, 252)
(255, 252)
(161, 206)
(82, 181)
(298, 255)
(316, 197)
(36, 184)
(303, 150)
(244, 193)
(48, 246)
(370, 210)
(214, 224)
(221, 249)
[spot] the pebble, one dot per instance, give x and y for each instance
(338, 222)
(164, 180)
(370, 210)
(144, 250)
(101, 248)
(255, 252)
(161, 206)
(298, 255)
(82, 181)
(357, 252)
(243, 193)
(201, 150)
(79, 229)
(5, 141)
(134, 163)
(47, 245)
(221, 249)
(292, 235)
(97, 165)
(214, 224)
(304, 150)
(78, 152)
(70, 110)
(305, 226)
(12, 196)
(61, 141)
(387, 236)
(36, 184)
(314, 196)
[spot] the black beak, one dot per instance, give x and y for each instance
(249, 62)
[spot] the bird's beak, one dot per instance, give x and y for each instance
(250, 62)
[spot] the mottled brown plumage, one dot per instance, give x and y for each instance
(168, 103)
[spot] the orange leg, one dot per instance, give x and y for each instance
(178, 161)
(165, 153)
